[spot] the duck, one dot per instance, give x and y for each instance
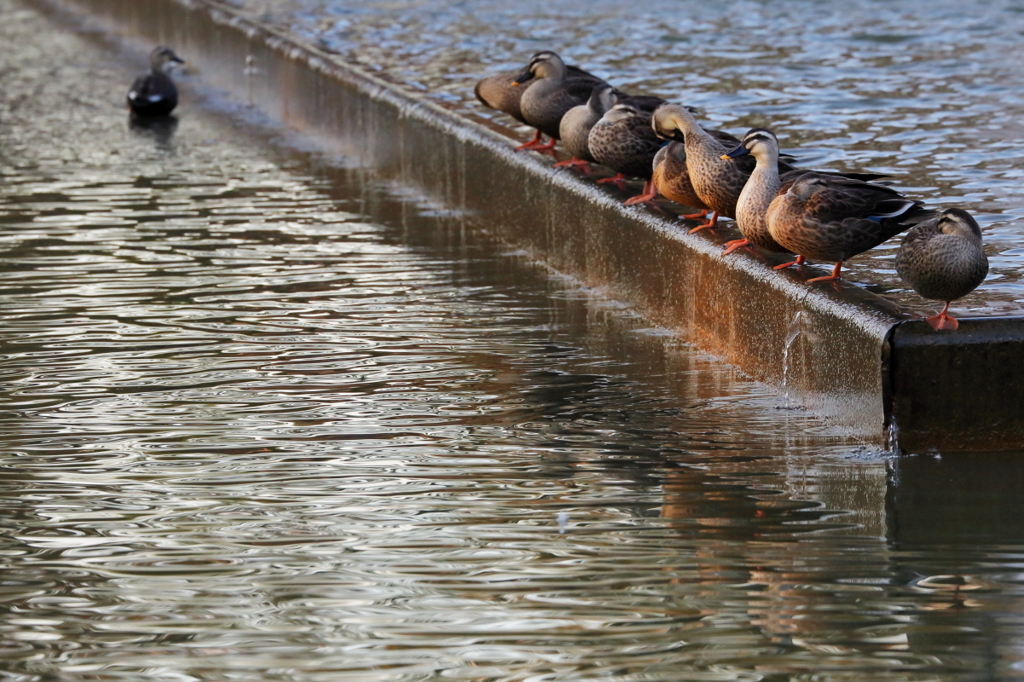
(498, 92)
(154, 93)
(717, 182)
(575, 126)
(552, 92)
(762, 187)
(942, 259)
(624, 141)
(834, 218)
(671, 180)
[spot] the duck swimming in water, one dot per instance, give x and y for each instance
(942, 259)
(154, 93)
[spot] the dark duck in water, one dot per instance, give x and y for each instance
(154, 93)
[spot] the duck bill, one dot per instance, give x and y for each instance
(523, 77)
(739, 151)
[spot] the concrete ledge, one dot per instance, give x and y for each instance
(828, 349)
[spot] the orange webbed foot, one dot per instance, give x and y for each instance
(695, 216)
(943, 321)
(619, 181)
(711, 224)
(835, 276)
(798, 262)
(648, 195)
(731, 246)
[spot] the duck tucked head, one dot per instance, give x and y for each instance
(621, 112)
(162, 58)
(544, 64)
(960, 222)
(670, 120)
(602, 98)
(758, 142)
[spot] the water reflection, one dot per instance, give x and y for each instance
(159, 128)
(268, 419)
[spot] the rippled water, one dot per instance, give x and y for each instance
(931, 93)
(264, 419)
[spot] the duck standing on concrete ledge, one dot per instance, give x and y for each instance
(942, 259)
(154, 93)
(552, 92)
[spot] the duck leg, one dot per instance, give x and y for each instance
(800, 260)
(943, 320)
(619, 181)
(573, 162)
(703, 213)
(535, 142)
(648, 194)
(731, 246)
(711, 224)
(829, 278)
(537, 146)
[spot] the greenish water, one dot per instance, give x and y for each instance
(264, 418)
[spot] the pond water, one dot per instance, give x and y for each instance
(267, 419)
(927, 92)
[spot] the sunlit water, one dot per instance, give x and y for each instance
(264, 419)
(930, 92)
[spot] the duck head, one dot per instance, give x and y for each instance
(960, 222)
(544, 64)
(602, 98)
(760, 143)
(670, 121)
(621, 112)
(162, 58)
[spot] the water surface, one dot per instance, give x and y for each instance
(266, 419)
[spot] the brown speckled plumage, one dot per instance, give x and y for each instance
(716, 181)
(764, 184)
(574, 130)
(833, 218)
(942, 258)
(624, 141)
(671, 178)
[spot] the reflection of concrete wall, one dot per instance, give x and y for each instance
(825, 348)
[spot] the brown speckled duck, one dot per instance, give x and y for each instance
(624, 141)
(942, 259)
(834, 218)
(716, 181)
(574, 129)
(154, 93)
(551, 93)
(762, 187)
(580, 120)
(671, 179)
